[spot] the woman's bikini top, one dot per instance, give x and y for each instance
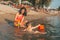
(19, 18)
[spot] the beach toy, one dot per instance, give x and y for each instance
(17, 23)
(41, 28)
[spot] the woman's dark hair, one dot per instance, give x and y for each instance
(25, 13)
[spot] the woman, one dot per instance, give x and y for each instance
(19, 19)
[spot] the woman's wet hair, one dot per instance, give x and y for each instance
(25, 13)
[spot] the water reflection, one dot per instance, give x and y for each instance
(55, 21)
(16, 31)
(20, 35)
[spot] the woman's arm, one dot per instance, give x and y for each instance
(16, 16)
(22, 20)
(35, 26)
(24, 29)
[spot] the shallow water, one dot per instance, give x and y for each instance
(9, 32)
(55, 21)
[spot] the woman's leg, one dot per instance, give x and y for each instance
(15, 24)
(23, 23)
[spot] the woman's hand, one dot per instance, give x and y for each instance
(24, 30)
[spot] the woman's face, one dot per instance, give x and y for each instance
(22, 11)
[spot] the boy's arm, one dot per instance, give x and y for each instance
(22, 20)
(35, 26)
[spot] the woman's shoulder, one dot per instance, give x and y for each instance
(17, 13)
